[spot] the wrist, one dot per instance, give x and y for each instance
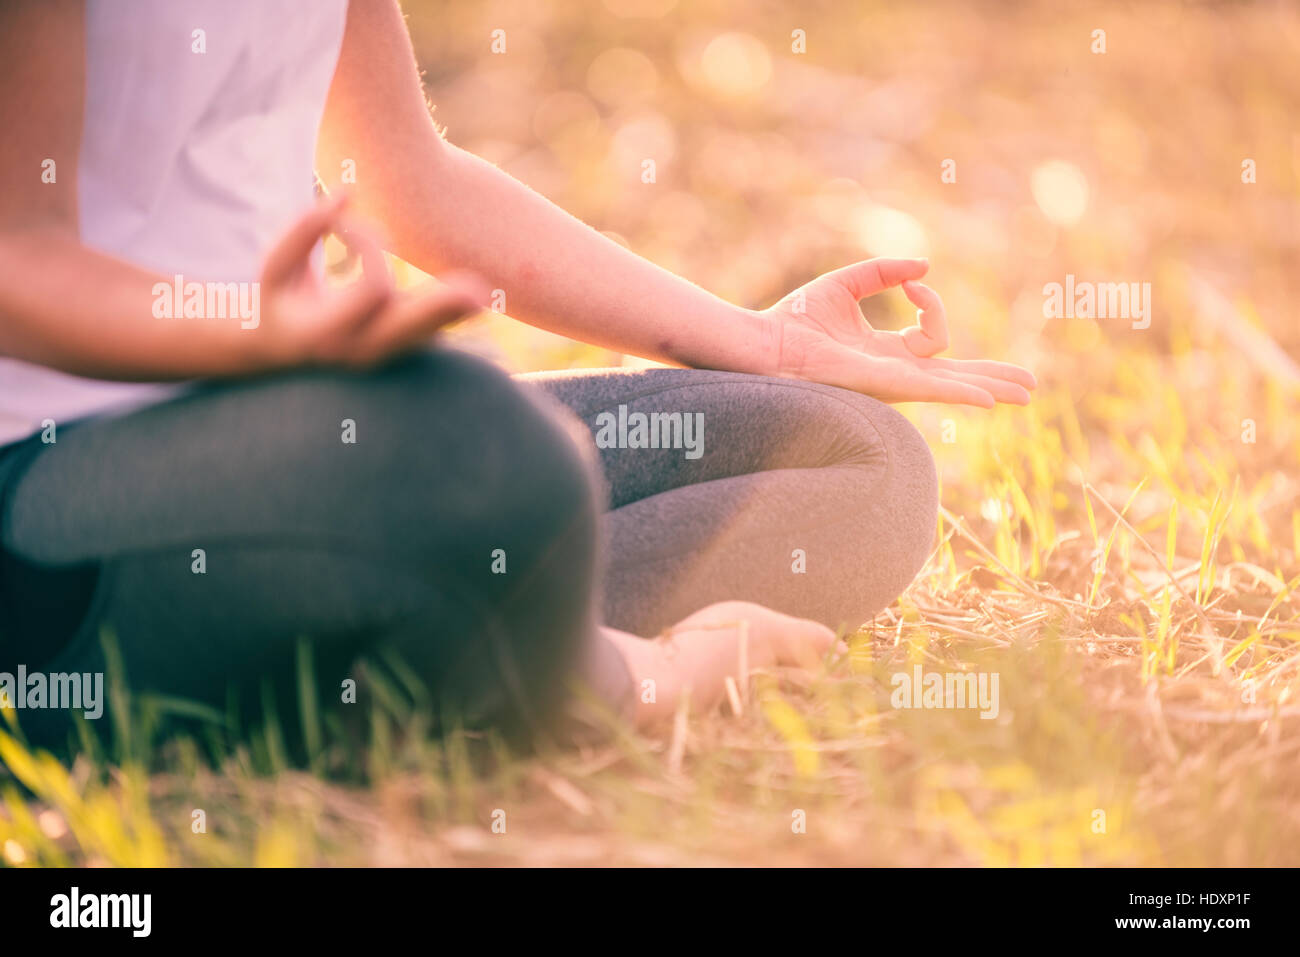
(260, 350)
(762, 336)
(750, 341)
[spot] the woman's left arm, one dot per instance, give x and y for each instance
(443, 209)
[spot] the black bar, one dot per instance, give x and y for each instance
(451, 908)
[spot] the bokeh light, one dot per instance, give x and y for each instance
(735, 65)
(1061, 191)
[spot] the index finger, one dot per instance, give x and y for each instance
(873, 275)
(930, 334)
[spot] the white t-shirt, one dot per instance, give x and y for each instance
(196, 153)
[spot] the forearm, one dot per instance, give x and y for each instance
(73, 309)
(559, 274)
(444, 208)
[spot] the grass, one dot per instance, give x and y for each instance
(1124, 554)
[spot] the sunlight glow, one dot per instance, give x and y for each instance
(736, 65)
(1061, 191)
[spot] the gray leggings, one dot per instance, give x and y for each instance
(464, 528)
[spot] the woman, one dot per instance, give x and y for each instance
(315, 471)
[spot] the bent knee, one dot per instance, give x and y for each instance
(905, 489)
(506, 478)
(911, 467)
(915, 485)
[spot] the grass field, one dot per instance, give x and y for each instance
(1123, 554)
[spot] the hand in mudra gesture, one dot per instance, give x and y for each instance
(824, 337)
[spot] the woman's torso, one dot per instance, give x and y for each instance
(196, 152)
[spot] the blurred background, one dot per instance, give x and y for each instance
(788, 139)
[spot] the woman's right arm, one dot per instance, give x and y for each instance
(71, 308)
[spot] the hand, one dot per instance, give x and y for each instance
(359, 324)
(824, 337)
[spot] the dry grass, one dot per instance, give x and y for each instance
(1119, 554)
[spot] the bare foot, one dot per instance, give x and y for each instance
(696, 656)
